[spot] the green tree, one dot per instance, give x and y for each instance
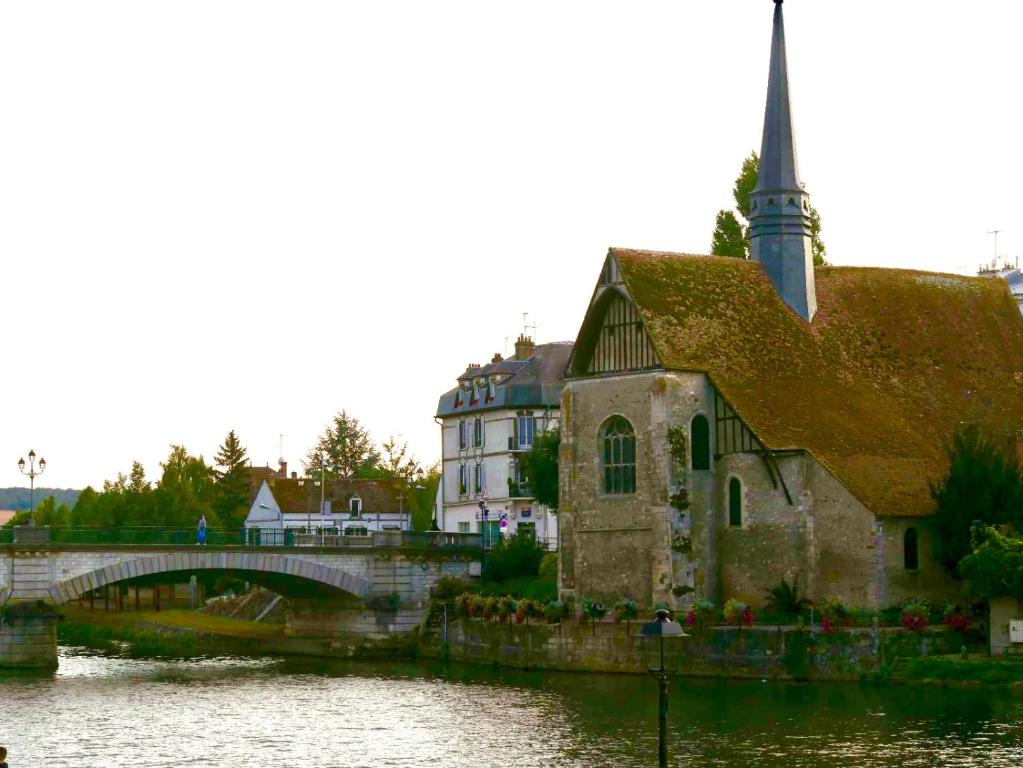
(345, 449)
(47, 512)
(729, 232)
(186, 490)
(232, 482)
(983, 485)
(995, 566)
(398, 463)
(540, 465)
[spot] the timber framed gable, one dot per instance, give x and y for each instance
(612, 339)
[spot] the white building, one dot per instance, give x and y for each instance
(1012, 275)
(487, 422)
(350, 507)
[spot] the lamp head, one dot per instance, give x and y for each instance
(21, 463)
(42, 464)
(31, 455)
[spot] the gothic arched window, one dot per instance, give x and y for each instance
(618, 456)
(911, 550)
(699, 432)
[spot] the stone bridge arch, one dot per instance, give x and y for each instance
(253, 562)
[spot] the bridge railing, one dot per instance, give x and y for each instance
(251, 537)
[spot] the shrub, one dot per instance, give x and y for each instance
(555, 611)
(477, 606)
(594, 610)
(506, 606)
(549, 566)
(834, 615)
(514, 557)
(489, 606)
(915, 615)
(463, 604)
(956, 616)
(738, 613)
(626, 610)
(700, 613)
(784, 598)
(448, 588)
(528, 609)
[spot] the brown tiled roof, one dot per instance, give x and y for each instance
(303, 495)
(256, 477)
(893, 362)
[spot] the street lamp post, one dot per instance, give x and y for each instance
(662, 663)
(32, 474)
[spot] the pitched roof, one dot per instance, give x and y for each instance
(536, 382)
(302, 495)
(893, 362)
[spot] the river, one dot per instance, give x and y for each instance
(108, 710)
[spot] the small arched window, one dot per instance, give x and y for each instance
(700, 438)
(618, 450)
(735, 503)
(911, 550)
(355, 506)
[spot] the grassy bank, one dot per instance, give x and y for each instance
(951, 670)
(163, 633)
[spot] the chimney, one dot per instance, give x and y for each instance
(524, 347)
(283, 472)
(294, 475)
(496, 358)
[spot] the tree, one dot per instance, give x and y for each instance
(345, 449)
(232, 496)
(186, 490)
(995, 567)
(398, 463)
(540, 465)
(983, 485)
(729, 232)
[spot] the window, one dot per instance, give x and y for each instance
(355, 506)
(525, 426)
(463, 441)
(491, 391)
(699, 435)
(618, 448)
(463, 527)
(475, 394)
(463, 480)
(735, 503)
(479, 478)
(911, 550)
(477, 432)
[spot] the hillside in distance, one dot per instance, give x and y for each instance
(19, 498)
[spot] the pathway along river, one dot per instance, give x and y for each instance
(102, 710)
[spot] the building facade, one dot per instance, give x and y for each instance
(487, 422)
(727, 424)
(349, 507)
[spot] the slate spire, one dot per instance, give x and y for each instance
(780, 237)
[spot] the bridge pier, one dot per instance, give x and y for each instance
(28, 637)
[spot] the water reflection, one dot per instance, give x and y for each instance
(99, 709)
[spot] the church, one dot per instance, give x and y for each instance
(727, 424)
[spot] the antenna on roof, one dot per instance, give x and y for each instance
(995, 232)
(526, 326)
(280, 447)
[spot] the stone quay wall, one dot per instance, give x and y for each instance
(776, 653)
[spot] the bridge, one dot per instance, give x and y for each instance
(331, 581)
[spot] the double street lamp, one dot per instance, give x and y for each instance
(32, 473)
(662, 641)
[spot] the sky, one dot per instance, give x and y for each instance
(249, 215)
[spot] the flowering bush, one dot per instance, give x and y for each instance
(626, 610)
(528, 609)
(914, 615)
(956, 616)
(463, 604)
(738, 613)
(834, 615)
(555, 611)
(506, 606)
(700, 613)
(594, 610)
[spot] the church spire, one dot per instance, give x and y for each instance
(780, 237)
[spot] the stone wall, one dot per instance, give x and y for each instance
(761, 652)
(818, 534)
